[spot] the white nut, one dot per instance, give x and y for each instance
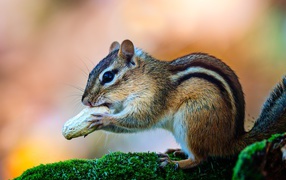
(78, 125)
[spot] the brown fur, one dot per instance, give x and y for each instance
(144, 96)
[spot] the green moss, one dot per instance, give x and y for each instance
(128, 166)
(252, 159)
(245, 168)
(275, 136)
(70, 169)
(120, 165)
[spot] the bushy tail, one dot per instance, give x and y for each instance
(272, 119)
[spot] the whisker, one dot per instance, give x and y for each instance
(89, 59)
(77, 106)
(75, 103)
(79, 68)
(78, 88)
(72, 95)
(85, 74)
(85, 65)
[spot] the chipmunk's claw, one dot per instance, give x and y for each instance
(164, 160)
(99, 120)
(100, 115)
(95, 123)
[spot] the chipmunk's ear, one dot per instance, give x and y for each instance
(114, 46)
(126, 51)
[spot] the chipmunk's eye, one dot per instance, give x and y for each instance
(107, 77)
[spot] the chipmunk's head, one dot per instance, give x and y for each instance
(115, 79)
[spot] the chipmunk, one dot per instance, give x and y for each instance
(197, 97)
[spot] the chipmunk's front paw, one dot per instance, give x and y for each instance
(164, 160)
(100, 120)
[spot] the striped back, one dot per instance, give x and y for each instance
(215, 71)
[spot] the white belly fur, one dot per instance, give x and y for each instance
(180, 132)
(178, 127)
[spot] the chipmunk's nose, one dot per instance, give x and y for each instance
(85, 101)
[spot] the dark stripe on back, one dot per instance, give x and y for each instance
(216, 65)
(210, 79)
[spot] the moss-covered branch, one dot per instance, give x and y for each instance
(262, 160)
(119, 165)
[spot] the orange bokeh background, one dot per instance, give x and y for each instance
(45, 45)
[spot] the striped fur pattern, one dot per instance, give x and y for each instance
(220, 74)
(198, 98)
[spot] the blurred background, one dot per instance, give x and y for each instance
(48, 47)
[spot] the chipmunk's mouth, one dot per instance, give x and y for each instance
(102, 103)
(108, 105)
